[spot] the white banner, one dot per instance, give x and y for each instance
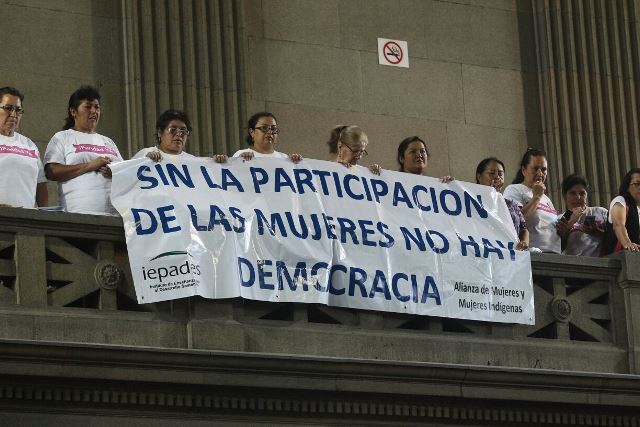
(318, 232)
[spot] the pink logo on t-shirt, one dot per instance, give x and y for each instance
(98, 149)
(546, 208)
(12, 149)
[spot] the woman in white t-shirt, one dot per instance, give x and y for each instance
(173, 128)
(528, 190)
(22, 180)
(348, 145)
(413, 157)
(262, 136)
(78, 157)
(624, 214)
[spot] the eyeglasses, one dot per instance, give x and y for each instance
(176, 131)
(421, 152)
(12, 108)
(493, 172)
(266, 128)
(358, 153)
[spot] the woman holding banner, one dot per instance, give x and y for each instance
(528, 190)
(173, 128)
(413, 157)
(349, 145)
(490, 172)
(77, 157)
(262, 136)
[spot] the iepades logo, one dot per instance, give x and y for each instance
(170, 270)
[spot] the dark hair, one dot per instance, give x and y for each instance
(84, 93)
(167, 116)
(348, 135)
(483, 165)
(253, 120)
(631, 223)
(624, 185)
(531, 152)
(403, 147)
(571, 180)
(8, 90)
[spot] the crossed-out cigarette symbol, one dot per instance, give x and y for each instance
(392, 52)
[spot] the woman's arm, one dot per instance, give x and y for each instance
(619, 219)
(60, 172)
(523, 244)
(530, 208)
(42, 194)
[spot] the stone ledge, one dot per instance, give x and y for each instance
(112, 380)
(33, 221)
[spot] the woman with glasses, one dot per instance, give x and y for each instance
(527, 190)
(22, 180)
(172, 131)
(623, 231)
(348, 144)
(490, 172)
(78, 157)
(262, 136)
(413, 157)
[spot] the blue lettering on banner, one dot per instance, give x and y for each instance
(259, 177)
(379, 188)
(314, 273)
(419, 240)
(349, 190)
(164, 218)
(141, 230)
(262, 274)
(304, 178)
(153, 182)
(332, 289)
(401, 196)
(244, 265)
(283, 180)
(299, 276)
(359, 284)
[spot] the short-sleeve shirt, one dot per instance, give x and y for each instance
(542, 224)
(20, 171)
(88, 193)
(581, 243)
(620, 200)
(142, 153)
(275, 154)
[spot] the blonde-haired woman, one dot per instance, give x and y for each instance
(349, 145)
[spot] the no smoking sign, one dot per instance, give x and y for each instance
(393, 53)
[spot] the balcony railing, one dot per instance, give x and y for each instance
(65, 278)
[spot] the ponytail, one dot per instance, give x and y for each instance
(531, 152)
(334, 138)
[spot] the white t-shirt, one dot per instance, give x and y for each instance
(621, 201)
(143, 153)
(88, 193)
(20, 171)
(542, 224)
(581, 243)
(275, 154)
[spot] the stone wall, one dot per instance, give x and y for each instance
(312, 63)
(470, 89)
